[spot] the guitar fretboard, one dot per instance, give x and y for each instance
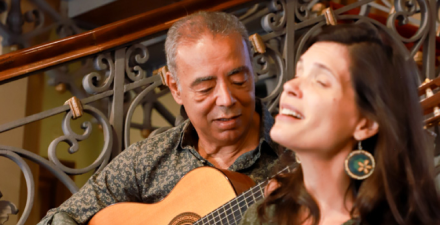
(232, 212)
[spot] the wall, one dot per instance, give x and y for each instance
(13, 102)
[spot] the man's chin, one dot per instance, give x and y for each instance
(229, 137)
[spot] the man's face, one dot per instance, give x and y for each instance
(216, 87)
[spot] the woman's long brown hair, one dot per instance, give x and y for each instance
(401, 189)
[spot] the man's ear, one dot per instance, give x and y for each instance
(365, 128)
(174, 88)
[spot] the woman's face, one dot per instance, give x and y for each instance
(318, 111)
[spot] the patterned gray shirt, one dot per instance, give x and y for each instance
(148, 170)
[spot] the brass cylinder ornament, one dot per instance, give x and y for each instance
(258, 43)
(438, 31)
(145, 133)
(318, 8)
(75, 106)
(418, 58)
(427, 80)
(392, 10)
(436, 111)
(330, 16)
(61, 88)
(429, 93)
(162, 72)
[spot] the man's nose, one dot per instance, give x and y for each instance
(225, 96)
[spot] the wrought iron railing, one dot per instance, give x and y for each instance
(117, 67)
(41, 12)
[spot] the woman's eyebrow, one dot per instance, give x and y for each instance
(324, 67)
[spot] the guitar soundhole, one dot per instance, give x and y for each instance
(186, 218)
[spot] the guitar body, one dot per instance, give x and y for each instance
(199, 192)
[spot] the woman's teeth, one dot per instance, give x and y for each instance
(289, 112)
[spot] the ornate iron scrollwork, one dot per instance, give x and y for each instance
(6, 208)
(154, 82)
(403, 10)
(275, 21)
(12, 31)
(103, 62)
(72, 139)
(135, 55)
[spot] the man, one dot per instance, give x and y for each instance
(211, 75)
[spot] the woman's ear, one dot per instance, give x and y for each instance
(174, 87)
(365, 128)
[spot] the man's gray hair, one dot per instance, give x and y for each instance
(192, 28)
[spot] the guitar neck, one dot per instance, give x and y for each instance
(231, 212)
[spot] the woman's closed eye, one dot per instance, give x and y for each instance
(322, 80)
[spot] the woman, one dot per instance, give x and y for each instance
(353, 119)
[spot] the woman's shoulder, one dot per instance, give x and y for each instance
(251, 216)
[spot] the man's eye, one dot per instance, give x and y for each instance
(206, 90)
(239, 78)
(239, 83)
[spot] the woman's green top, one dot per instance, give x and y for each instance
(250, 217)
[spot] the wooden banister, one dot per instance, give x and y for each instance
(20, 63)
(17, 64)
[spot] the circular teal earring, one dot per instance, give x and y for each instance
(359, 164)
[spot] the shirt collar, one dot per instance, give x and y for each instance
(266, 123)
(188, 136)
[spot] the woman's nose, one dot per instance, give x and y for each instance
(292, 88)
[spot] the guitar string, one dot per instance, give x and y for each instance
(243, 194)
(220, 216)
(222, 207)
(252, 196)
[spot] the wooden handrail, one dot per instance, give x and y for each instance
(19, 63)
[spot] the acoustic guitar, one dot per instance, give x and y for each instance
(202, 196)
